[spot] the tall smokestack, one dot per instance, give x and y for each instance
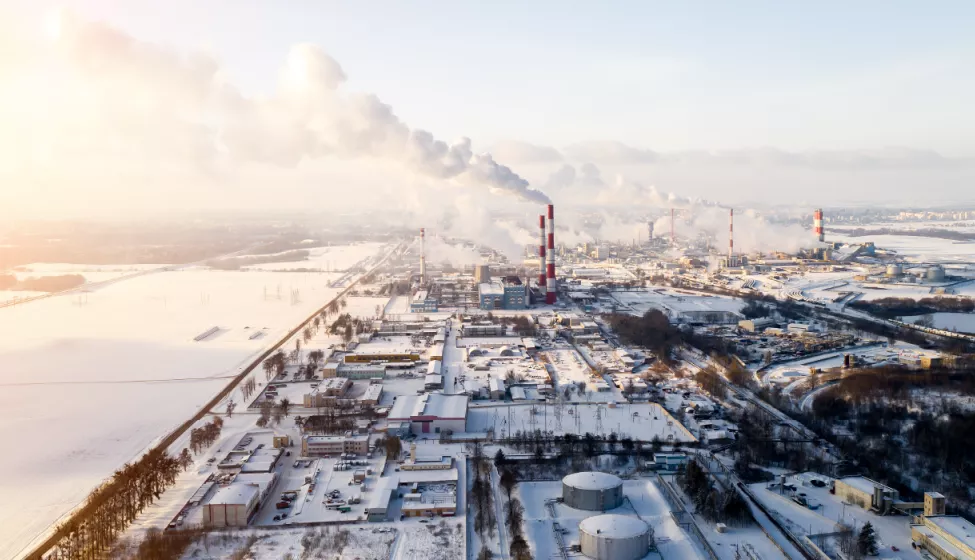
(650, 229)
(818, 225)
(731, 234)
(423, 255)
(673, 236)
(550, 257)
(542, 272)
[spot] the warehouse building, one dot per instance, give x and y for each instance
(378, 507)
(431, 413)
(232, 505)
(946, 537)
(866, 493)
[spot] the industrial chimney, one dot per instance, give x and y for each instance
(542, 272)
(423, 256)
(731, 235)
(818, 225)
(550, 257)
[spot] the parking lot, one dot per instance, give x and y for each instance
(325, 489)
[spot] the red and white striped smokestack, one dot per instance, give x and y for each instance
(731, 234)
(542, 274)
(423, 255)
(818, 225)
(550, 257)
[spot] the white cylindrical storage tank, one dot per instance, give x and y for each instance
(895, 270)
(936, 274)
(592, 491)
(614, 537)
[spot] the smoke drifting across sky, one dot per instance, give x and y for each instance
(96, 96)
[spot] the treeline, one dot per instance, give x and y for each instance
(514, 513)
(235, 263)
(42, 283)
(482, 498)
(111, 507)
(926, 232)
(893, 307)
(522, 325)
(652, 331)
(205, 435)
(715, 504)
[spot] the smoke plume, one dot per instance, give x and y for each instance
(123, 98)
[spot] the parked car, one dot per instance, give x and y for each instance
(283, 505)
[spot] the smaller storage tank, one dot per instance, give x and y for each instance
(895, 270)
(614, 537)
(936, 274)
(592, 491)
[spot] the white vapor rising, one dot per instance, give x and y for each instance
(753, 232)
(117, 97)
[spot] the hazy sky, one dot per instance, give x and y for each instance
(736, 100)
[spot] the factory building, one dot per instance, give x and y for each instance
(946, 537)
(866, 493)
(330, 446)
(432, 413)
(614, 537)
(232, 505)
(593, 491)
(506, 293)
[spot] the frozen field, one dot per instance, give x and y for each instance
(92, 382)
(960, 322)
(926, 249)
(639, 421)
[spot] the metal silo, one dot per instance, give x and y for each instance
(614, 537)
(593, 491)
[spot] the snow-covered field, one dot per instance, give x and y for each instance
(960, 322)
(639, 421)
(90, 383)
(920, 249)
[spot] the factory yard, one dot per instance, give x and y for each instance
(639, 421)
(154, 347)
(643, 501)
(827, 510)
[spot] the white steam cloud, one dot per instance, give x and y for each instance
(117, 96)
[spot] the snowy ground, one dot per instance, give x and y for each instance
(639, 421)
(789, 372)
(125, 361)
(892, 530)
(960, 322)
(920, 249)
(644, 500)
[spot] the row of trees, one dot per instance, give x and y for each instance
(713, 503)
(652, 331)
(514, 518)
(272, 413)
(893, 307)
(205, 435)
(111, 507)
(482, 498)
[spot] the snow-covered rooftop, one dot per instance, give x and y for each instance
(592, 480)
(612, 525)
(234, 494)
